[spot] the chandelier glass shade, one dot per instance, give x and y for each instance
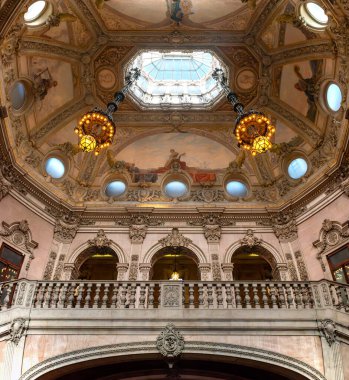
(253, 129)
(96, 128)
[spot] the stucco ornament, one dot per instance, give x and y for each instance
(250, 240)
(170, 342)
(175, 239)
(17, 329)
(100, 240)
(328, 328)
(138, 233)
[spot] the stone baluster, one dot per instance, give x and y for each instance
(273, 297)
(209, 296)
(123, 297)
(297, 296)
(159, 297)
(132, 300)
(305, 298)
(7, 299)
(191, 296)
(105, 299)
(142, 291)
(281, 296)
(228, 296)
(247, 298)
(184, 287)
(70, 302)
(289, 296)
(219, 296)
(256, 302)
(238, 296)
(264, 302)
(63, 294)
(96, 297)
(55, 295)
(41, 295)
(79, 291)
(88, 296)
(201, 296)
(48, 294)
(151, 296)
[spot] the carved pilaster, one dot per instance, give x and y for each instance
(59, 267)
(50, 265)
(216, 269)
(204, 269)
(122, 270)
(302, 270)
(291, 267)
(70, 271)
(144, 268)
(227, 269)
(133, 273)
(280, 272)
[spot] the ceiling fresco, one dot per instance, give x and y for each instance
(78, 58)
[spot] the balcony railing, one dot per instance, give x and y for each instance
(176, 294)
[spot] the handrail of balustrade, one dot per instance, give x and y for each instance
(81, 294)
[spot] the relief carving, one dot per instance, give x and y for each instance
(170, 343)
(18, 329)
(100, 240)
(175, 239)
(50, 265)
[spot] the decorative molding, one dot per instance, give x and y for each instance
(18, 329)
(328, 329)
(212, 225)
(331, 236)
(50, 265)
(138, 233)
(20, 235)
(100, 240)
(175, 239)
(4, 188)
(171, 295)
(170, 342)
(302, 270)
(291, 267)
(191, 347)
(65, 230)
(250, 240)
(133, 272)
(216, 268)
(59, 268)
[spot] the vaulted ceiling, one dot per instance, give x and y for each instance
(78, 60)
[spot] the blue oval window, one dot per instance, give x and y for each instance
(115, 188)
(236, 189)
(18, 95)
(334, 97)
(297, 168)
(55, 167)
(176, 189)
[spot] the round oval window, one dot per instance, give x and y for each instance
(334, 97)
(55, 167)
(317, 13)
(34, 11)
(18, 95)
(115, 188)
(236, 189)
(297, 168)
(176, 189)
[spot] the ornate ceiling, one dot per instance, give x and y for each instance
(78, 60)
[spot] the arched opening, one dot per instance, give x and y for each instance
(253, 263)
(97, 263)
(189, 367)
(170, 260)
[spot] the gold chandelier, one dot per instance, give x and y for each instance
(96, 128)
(253, 129)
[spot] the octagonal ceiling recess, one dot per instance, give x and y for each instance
(176, 79)
(74, 56)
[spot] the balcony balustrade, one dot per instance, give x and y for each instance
(173, 294)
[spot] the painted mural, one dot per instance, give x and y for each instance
(297, 86)
(148, 158)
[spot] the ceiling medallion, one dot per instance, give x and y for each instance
(253, 129)
(96, 128)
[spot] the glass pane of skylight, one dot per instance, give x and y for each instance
(54, 167)
(297, 168)
(334, 97)
(185, 77)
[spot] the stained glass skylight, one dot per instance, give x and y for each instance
(176, 79)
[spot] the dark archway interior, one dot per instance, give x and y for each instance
(185, 369)
(168, 259)
(100, 264)
(250, 264)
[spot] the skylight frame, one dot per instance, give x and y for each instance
(171, 92)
